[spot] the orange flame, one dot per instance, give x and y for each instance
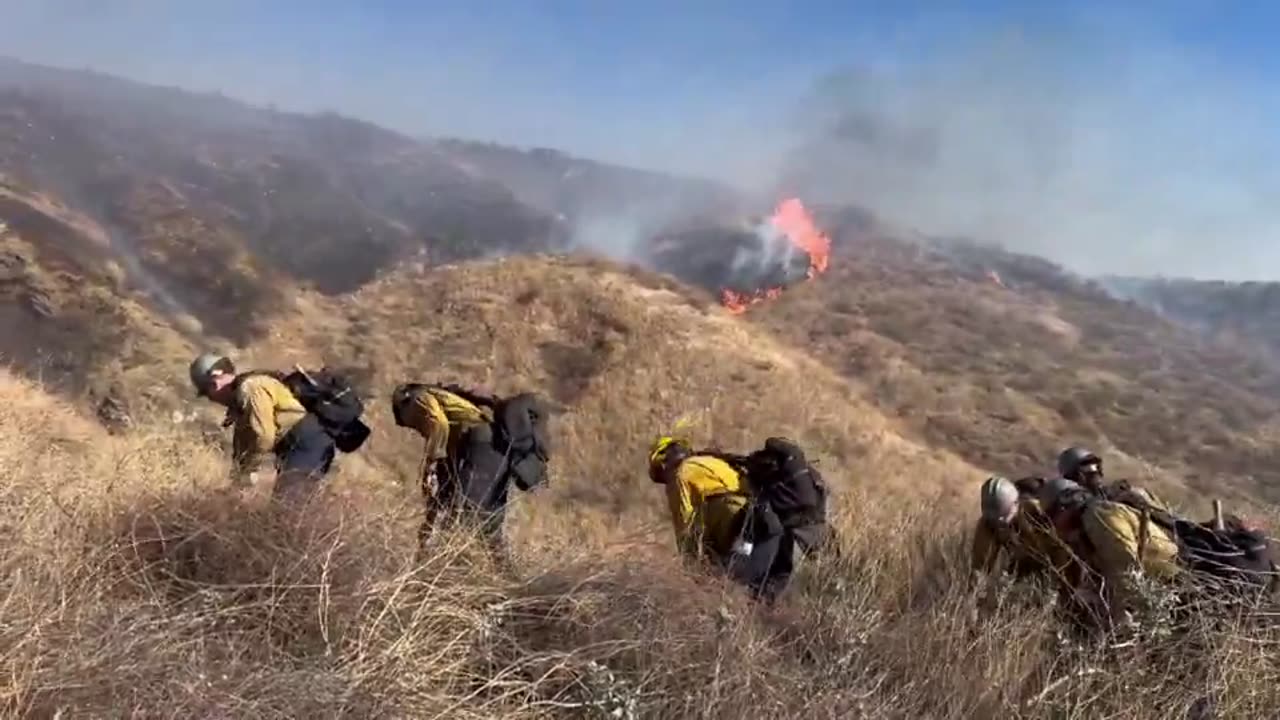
(794, 221)
(736, 302)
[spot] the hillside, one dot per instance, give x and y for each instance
(1243, 314)
(71, 316)
(140, 223)
(356, 197)
(595, 195)
(622, 354)
(1005, 359)
(134, 583)
(602, 341)
(207, 215)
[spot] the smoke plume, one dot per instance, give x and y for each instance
(1085, 150)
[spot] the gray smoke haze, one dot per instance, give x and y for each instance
(615, 234)
(1095, 141)
(770, 250)
(1104, 158)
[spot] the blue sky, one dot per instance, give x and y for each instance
(1128, 140)
(569, 73)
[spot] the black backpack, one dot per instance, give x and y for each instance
(519, 431)
(330, 397)
(784, 482)
(476, 398)
(1240, 555)
(521, 424)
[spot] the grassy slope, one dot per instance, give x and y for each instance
(126, 208)
(624, 355)
(131, 581)
(132, 584)
(1240, 313)
(69, 318)
(1007, 376)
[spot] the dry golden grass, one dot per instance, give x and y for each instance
(1006, 377)
(134, 585)
(1237, 313)
(71, 319)
(623, 356)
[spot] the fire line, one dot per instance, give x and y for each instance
(793, 220)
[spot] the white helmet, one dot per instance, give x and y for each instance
(999, 498)
(201, 371)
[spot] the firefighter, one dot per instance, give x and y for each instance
(266, 418)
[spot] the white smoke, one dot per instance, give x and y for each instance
(1084, 150)
(772, 250)
(621, 236)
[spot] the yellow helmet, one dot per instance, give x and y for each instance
(658, 454)
(662, 446)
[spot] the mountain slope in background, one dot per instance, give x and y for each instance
(599, 199)
(139, 225)
(212, 209)
(210, 214)
(1245, 314)
(143, 223)
(1006, 358)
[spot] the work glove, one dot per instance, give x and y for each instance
(244, 480)
(431, 478)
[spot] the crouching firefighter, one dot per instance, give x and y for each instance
(301, 418)
(475, 447)
(1224, 560)
(746, 514)
(1013, 535)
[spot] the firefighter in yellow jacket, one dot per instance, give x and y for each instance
(266, 419)
(1114, 544)
(712, 515)
(705, 496)
(1013, 534)
(1084, 467)
(445, 419)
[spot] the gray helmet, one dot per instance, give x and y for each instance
(999, 498)
(1071, 459)
(202, 368)
(1060, 491)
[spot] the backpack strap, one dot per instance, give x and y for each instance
(740, 463)
(230, 418)
(239, 379)
(470, 396)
